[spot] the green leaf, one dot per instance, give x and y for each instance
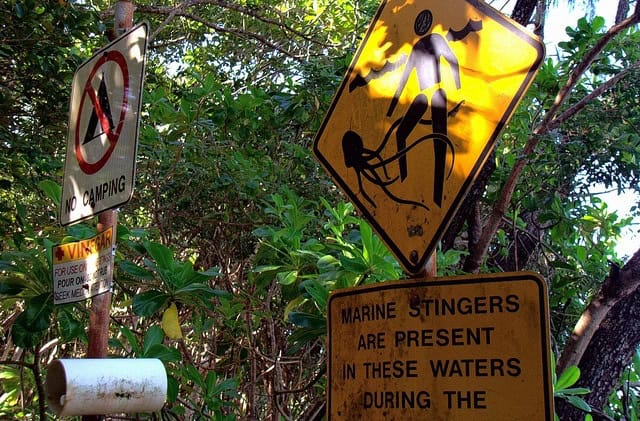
(19, 10)
(266, 268)
(287, 278)
(579, 403)
(149, 302)
(567, 378)
(23, 335)
(191, 292)
(367, 239)
(135, 270)
(575, 391)
(153, 336)
(11, 288)
(173, 388)
(163, 256)
(70, 328)
(80, 232)
(191, 373)
(163, 353)
(211, 272)
(133, 343)
(354, 265)
(319, 293)
(210, 380)
(52, 190)
(225, 386)
(312, 321)
(30, 326)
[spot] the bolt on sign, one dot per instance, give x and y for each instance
(419, 111)
(106, 97)
(83, 269)
(464, 348)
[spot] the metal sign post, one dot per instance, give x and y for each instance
(101, 304)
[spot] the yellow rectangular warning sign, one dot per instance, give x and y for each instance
(84, 268)
(463, 348)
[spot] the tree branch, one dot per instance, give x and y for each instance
(577, 107)
(181, 10)
(619, 284)
(474, 261)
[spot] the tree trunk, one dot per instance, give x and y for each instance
(609, 351)
(523, 10)
(466, 211)
(623, 9)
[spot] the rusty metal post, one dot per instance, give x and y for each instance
(99, 315)
(101, 304)
(431, 267)
(123, 15)
(429, 272)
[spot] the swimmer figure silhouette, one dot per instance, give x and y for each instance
(425, 59)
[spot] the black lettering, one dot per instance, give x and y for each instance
(480, 305)
(475, 367)
(459, 336)
(448, 307)
(368, 312)
(464, 306)
(497, 367)
(482, 367)
(513, 365)
(396, 399)
(495, 304)
(70, 205)
(442, 336)
(372, 341)
(414, 309)
(390, 369)
(468, 399)
(348, 371)
(513, 303)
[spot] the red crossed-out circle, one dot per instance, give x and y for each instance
(112, 135)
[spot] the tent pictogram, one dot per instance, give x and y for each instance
(99, 108)
(101, 113)
(418, 113)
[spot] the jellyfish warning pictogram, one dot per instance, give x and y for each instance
(418, 113)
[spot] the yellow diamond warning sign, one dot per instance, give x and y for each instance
(419, 111)
(464, 348)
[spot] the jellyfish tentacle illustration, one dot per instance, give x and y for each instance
(359, 158)
(366, 162)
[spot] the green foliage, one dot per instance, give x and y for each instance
(308, 269)
(225, 180)
(562, 389)
(623, 400)
(42, 44)
(177, 281)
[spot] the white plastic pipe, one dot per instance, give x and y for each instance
(106, 386)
